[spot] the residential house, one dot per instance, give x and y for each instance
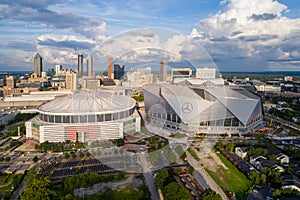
(260, 162)
(290, 181)
(241, 151)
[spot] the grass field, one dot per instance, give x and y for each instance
(231, 179)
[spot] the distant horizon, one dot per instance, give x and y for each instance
(254, 72)
(245, 38)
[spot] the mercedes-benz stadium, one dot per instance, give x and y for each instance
(84, 116)
(207, 107)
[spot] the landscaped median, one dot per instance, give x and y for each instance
(230, 179)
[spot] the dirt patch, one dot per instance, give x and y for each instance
(209, 159)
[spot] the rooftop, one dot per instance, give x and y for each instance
(88, 102)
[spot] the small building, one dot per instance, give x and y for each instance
(241, 151)
(282, 158)
(260, 162)
(290, 181)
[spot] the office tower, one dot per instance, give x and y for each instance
(163, 71)
(109, 67)
(80, 65)
(10, 82)
(89, 64)
(71, 81)
(58, 69)
(38, 64)
(206, 73)
(119, 71)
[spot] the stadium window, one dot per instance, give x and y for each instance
(51, 118)
(227, 122)
(66, 119)
(115, 116)
(168, 117)
(57, 119)
(91, 118)
(107, 117)
(122, 115)
(235, 122)
(100, 118)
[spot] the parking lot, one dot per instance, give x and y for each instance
(69, 168)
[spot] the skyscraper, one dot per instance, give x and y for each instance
(38, 65)
(71, 81)
(109, 67)
(119, 71)
(89, 64)
(163, 71)
(10, 82)
(80, 65)
(58, 68)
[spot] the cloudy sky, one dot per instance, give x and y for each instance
(237, 35)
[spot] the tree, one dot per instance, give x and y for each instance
(230, 147)
(191, 169)
(277, 193)
(67, 156)
(88, 154)
(263, 179)
(210, 194)
(38, 188)
(35, 159)
(161, 177)
(73, 155)
(219, 144)
(254, 177)
(273, 158)
(81, 154)
(174, 191)
(7, 159)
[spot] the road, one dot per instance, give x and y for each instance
(18, 191)
(201, 180)
(206, 179)
(148, 174)
(282, 121)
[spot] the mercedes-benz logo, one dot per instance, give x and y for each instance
(187, 107)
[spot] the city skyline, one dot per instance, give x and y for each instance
(237, 35)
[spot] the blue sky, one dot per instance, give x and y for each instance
(239, 35)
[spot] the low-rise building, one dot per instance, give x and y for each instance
(260, 162)
(241, 151)
(290, 181)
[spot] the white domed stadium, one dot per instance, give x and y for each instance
(85, 116)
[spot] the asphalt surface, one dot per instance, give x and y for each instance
(148, 174)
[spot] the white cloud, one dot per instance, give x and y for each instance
(250, 29)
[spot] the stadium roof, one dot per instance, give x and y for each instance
(185, 102)
(228, 102)
(87, 102)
